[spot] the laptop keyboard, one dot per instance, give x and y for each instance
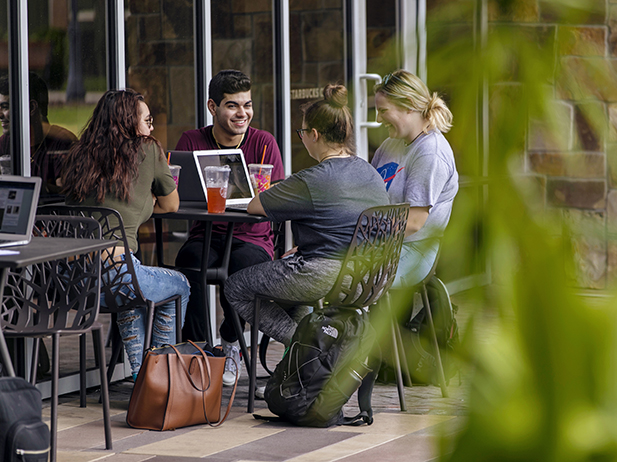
(241, 207)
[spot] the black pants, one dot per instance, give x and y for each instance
(243, 255)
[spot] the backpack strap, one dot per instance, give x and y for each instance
(365, 393)
(364, 417)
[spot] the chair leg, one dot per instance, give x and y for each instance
(5, 357)
(116, 349)
(440, 372)
(149, 325)
(36, 344)
(401, 349)
(253, 368)
(82, 370)
(100, 354)
(179, 319)
(397, 349)
(55, 377)
(397, 367)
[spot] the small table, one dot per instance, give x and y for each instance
(42, 249)
(196, 210)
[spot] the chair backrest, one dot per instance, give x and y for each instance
(118, 281)
(370, 265)
(55, 296)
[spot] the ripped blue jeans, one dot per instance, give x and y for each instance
(156, 284)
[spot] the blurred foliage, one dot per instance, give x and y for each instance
(543, 382)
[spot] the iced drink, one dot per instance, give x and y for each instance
(217, 179)
(260, 175)
(175, 173)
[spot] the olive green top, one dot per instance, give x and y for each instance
(153, 178)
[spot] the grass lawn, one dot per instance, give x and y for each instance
(71, 116)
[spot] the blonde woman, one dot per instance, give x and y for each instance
(417, 165)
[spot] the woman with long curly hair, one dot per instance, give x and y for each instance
(118, 164)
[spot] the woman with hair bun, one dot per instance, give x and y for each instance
(417, 166)
(323, 203)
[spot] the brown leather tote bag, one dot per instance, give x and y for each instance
(177, 386)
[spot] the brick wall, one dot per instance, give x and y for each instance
(576, 161)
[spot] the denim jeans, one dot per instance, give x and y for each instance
(156, 284)
(416, 261)
(292, 278)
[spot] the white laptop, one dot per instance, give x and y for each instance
(239, 192)
(19, 197)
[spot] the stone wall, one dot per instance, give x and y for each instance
(577, 166)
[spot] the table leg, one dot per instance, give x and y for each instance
(4, 350)
(158, 231)
(205, 256)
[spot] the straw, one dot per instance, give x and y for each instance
(168, 157)
(263, 156)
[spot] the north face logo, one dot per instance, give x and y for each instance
(331, 331)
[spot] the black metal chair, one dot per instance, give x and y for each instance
(366, 274)
(57, 298)
(119, 284)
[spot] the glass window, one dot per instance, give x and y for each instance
(317, 50)
(66, 49)
(242, 40)
(160, 64)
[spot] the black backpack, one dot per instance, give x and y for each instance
(417, 341)
(23, 435)
(324, 365)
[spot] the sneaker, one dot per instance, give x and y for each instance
(231, 350)
(260, 392)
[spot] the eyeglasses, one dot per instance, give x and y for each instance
(299, 131)
(149, 121)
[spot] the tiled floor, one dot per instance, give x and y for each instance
(394, 435)
(409, 436)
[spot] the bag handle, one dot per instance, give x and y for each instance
(231, 399)
(186, 370)
(188, 373)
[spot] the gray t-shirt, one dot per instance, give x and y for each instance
(424, 175)
(324, 202)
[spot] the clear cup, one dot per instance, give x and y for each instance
(217, 179)
(5, 165)
(260, 175)
(175, 172)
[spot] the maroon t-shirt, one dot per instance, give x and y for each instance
(253, 147)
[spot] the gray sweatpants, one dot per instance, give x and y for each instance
(294, 279)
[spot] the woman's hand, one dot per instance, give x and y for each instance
(290, 252)
(255, 207)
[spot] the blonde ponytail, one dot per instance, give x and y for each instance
(408, 91)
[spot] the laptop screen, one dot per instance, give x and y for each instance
(239, 189)
(18, 200)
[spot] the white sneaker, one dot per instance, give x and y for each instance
(231, 350)
(260, 392)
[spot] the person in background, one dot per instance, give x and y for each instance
(323, 203)
(48, 143)
(231, 106)
(118, 164)
(417, 165)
